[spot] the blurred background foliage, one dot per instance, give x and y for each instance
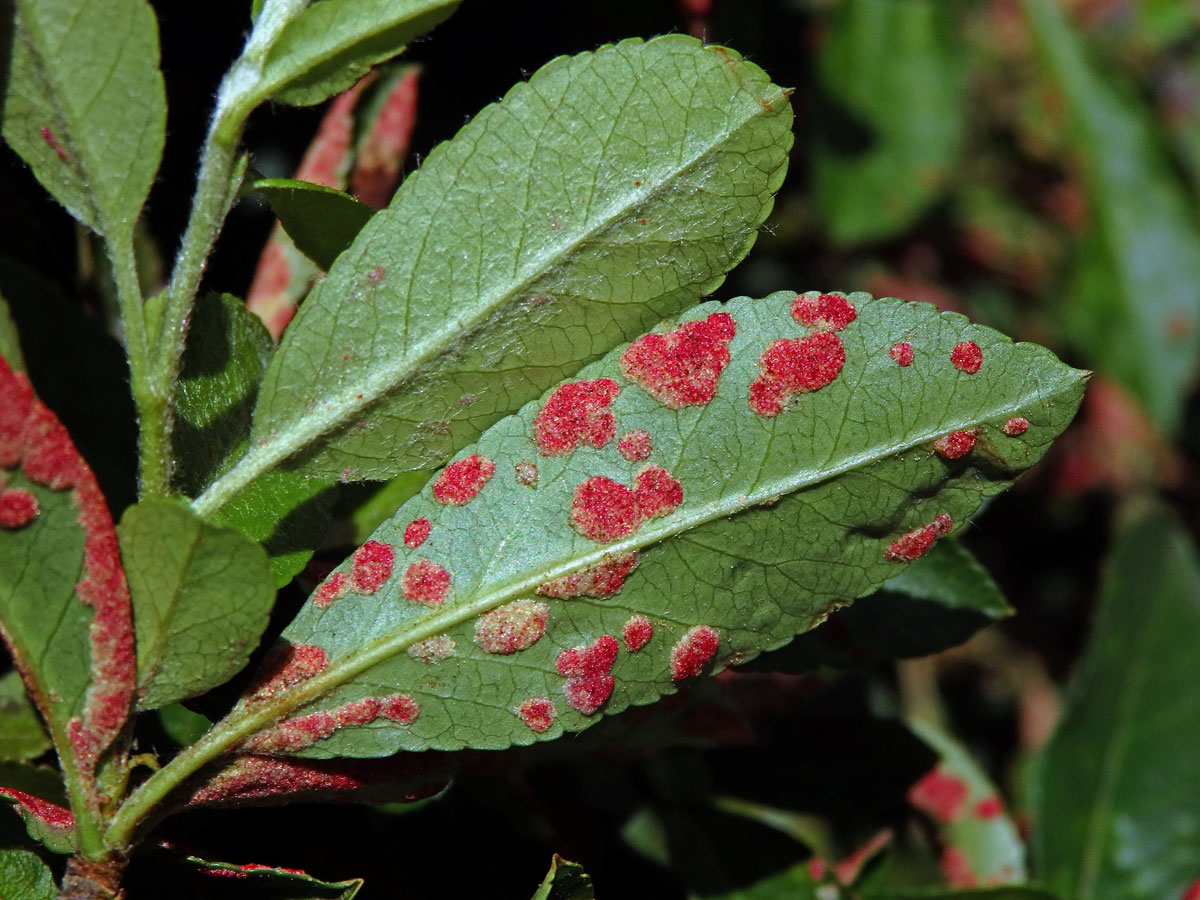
(1033, 164)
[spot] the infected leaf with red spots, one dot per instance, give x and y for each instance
(287, 665)
(902, 353)
(334, 588)
(682, 367)
(538, 713)
(18, 507)
(793, 367)
(605, 510)
(1016, 425)
(526, 473)
(693, 652)
(939, 794)
(587, 669)
(956, 444)
(426, 582)
(576, 414)
(517, 626)
(637, 633)
(967, 357)
(916, 543)
(601, 580)
(433, 650)
(657, 492)
(461, 482)
(825, 312)
(636, 445)
(417, 532)
(382, 149)
(371, 566)
(48, 823)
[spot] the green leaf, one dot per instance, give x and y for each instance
(49, 824)
(382, 504)
(333, 43)
(21, 733)
(10, 343)
(224, 360)
(1134, 308)
(791, 884)
(891, 77)
(585, 224)
(182, 725)
(23, 876)
(277, 882)
(1114, 793)
(566, 880)
(980, 840)
(321, 221)
(84, 105)
(783, 519)
(999, 893)
(201, 599)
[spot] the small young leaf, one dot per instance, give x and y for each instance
(333, 43)
(201, 599)
(566, 880)
(614, 217)
(283, 884)
(182, 725)
(753, 516)
(23, 876)
(21, 733)
(321, 221)
(49, 824)
(1114, 793)
(84, 105)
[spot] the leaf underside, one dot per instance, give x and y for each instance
(783, 519)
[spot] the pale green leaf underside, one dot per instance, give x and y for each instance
(201, 599)
(611, 190)
(783, 519)
(85, 107)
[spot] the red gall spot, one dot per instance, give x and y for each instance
(345, 357)
(371, 566)
(401, 709)
(416, 532)
(605, 510)
(828, 312)
(285, 666)
(956, 444)
(636, 445)
(1016, 425)
(902, 353)
(334, 588)
(516, 626)
(693, 652)
(956, 868)
(433, 650)
(681, 368)
(381, 151)
(989, 808)
(51, 814)
(575, 414)
(18, 508)
(538, 713)
(816, 868)
(939, 794)
(426, 582)
(916, 543)
(637, 632)
(600, 580)
(849, 868)
(586, 669)
(460, 482)
(641, 221)
(361, 424)
(657, 492)
(376, 275)
(1192, 891)
(637, 184)
(967, 357)
(53, 144)
(792, 367)
(526, 473)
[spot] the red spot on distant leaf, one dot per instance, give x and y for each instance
(940, 794)
(538, 713)
(51, 814)
(682, 367)
(902, 353)
(587, 669)
(460, 482)
(956, 868)
(603, 579)
(334, 588)
(1192, 891)
(828, 312)
(433, 650)
(526, 473)
(18, 507)
(605, 510)
(576, 413)
(636, 445)
(371, 566)
(657, 492)
(967, 357)
(285, 666)
(1016, 425)
(956, 444)
(989, 807)
(848, 869)
(693, 652)
(512, 627)
(426, 582)
(792, 367)
(416, 532)
(916, 543)
(382, 150)
(637, 632)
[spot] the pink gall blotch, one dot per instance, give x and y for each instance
(51, 814)
(956, 868)
(382, 150)
(434, 650)
(916, 543)
(538, 713)
(637, 633)
(587, 668)
(371, 566)
(990, 807)
(636, 445)
(526, 473)
(657, 492)
(1192, 891)
(681, 367)
(18, 507)
(53, 144)
(285, 666)
(827, 312)
(967, 357)
(693, 652)
(902, 353)
(940, 795)
(400, 708)
(789, 368)
(605, 510)
(512, 627)
(1017, 425)
(426, 582)
(956, 444)
(416, 532)
(460, 482)
(335, 587)
(576, 414)
(601, 580)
